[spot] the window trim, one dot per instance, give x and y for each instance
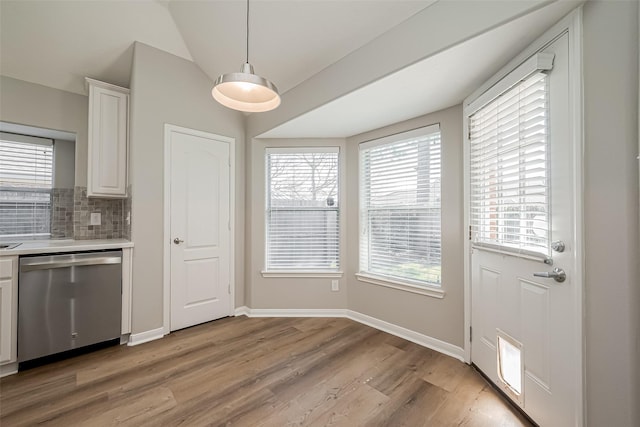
(305, 272)
(404, 284)
(396, 137)
(309, 274)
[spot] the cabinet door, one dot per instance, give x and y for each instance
(108, 132)
(7, 353)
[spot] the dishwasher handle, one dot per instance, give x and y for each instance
(47, 265)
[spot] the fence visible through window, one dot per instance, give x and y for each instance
(303, 215)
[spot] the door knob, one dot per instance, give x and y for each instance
(558, 246)
(177, 241)
(557, 274)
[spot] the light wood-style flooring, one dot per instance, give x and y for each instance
(258, 372)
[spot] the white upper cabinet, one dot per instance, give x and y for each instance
(108, 140)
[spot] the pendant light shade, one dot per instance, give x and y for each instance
(246, 91)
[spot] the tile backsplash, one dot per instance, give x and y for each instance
(112, 217)
(62, 213)
(71, 213)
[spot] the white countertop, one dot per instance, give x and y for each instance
(56, 246)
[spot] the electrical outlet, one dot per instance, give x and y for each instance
(334, 285)
(96, 218)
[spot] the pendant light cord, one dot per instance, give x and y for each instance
(247, 31)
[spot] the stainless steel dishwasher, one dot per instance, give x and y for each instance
(68, 301)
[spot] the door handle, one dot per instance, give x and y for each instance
(177, 241)
(557, 274)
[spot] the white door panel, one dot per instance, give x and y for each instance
(200, 200)
(539, 313)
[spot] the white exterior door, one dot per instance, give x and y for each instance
(525, 332)
(199, 228)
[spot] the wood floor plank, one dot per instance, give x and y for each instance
(445, 372)
(290, 359)
(326, 385)
(353, 409)
(132, 412)
(412, 404)
(258, 372)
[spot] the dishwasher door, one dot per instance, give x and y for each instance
(68, 301)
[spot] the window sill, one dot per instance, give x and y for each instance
(430, 291)
(303, 274)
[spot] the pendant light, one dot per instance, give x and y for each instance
(246, 91)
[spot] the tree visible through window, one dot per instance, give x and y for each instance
(400, 207)
(26, 180)
(302, 209)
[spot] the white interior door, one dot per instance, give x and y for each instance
(200, 228)
(525, 332)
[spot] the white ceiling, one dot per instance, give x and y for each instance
(57, 43)
(289, 41)
(435, 83)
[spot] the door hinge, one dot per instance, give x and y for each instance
(229, 161)
(470, 333)
(469, 232)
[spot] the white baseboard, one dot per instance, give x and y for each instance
(308, 312)
(8, 369)
(146, 336)
(241, 311)
(399, 331)
(409, 335)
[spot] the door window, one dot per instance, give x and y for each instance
(509, 169)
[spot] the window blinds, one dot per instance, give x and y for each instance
(303, 213)
(26, 180)
(509, 170)
(400, 207)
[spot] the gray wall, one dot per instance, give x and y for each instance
(611, 212)
(40, 106)
(64, 159)
(438, 318)
(289, 292)
(168, 89)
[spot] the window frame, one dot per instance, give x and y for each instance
(399, 283)
(540, 62)
(309, 272)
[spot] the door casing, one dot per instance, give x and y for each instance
(166, 282)
(571, 25)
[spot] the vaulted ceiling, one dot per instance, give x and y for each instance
(57, 43)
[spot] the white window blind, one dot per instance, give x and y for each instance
(509, 170)
(303, 212)
(26, 180)
(400, 235)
